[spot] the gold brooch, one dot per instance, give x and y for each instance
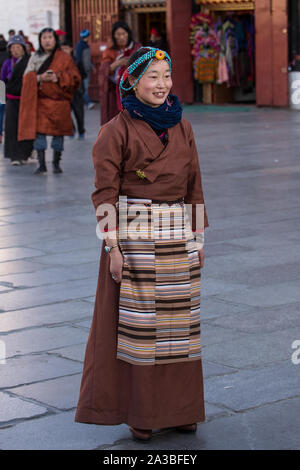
(140, 174)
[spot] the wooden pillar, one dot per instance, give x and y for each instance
(271, 46)
(263, 53)
(178, 20)
(280, 53)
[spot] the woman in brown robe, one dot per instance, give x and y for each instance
(114, 61)
(143, 363)
(50, 81)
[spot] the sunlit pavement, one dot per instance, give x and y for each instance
(250, 298)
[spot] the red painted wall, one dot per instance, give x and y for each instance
(280, 53)
(179, 14)
(271, 40)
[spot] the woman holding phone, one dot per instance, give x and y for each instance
(50, 81)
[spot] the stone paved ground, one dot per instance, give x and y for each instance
(49, 257)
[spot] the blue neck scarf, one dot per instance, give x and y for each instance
(167, 115)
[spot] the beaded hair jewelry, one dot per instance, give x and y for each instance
(152, 53)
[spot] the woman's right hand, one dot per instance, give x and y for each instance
(116, 264)
(123, 62)
(119, 63)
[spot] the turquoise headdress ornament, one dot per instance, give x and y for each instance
(152, 53)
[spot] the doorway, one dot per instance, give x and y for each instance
(147, 21)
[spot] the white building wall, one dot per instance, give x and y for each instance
(29, 15)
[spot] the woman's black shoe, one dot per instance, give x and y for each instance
(55, 162)
(42, 169)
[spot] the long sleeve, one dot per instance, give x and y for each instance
(69, 79)
(34, 62)
(107, 160)
(5, 70)
(194, 196)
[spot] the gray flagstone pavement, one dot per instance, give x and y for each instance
(250, 298)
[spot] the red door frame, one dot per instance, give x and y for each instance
(271, 25)
(178, 21)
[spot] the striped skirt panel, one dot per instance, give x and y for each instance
(159, 307)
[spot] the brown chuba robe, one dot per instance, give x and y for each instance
(46, 108)
(114, 391)
(107, 88)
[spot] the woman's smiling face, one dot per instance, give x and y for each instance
(155, 85)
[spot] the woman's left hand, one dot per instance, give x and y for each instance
(116, 264)
(201, 257)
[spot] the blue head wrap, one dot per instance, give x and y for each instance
(152, 54)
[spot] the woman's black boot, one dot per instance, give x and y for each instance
(42, 169)
(55, 163)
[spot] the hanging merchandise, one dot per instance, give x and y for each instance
(236, 37)
(206, 46)
(223, 53)
(223, 76)
(231, 52)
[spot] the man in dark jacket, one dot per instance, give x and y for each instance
(82, 56)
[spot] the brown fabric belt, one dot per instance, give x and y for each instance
(157, 201)
(44, 97)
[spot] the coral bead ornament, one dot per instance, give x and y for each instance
(159, 55)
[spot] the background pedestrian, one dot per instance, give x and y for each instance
(49, 84)
(157, 39)
(83, 60)
(12, 72)
(3, 56)
(114, 61)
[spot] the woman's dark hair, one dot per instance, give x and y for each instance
(123, 25)
(137, 72)
(47, 30)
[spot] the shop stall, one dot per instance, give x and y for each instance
(222, 37)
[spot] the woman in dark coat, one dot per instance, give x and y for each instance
(12, 72)
(3, 57)
(143, 361)
(113, 64)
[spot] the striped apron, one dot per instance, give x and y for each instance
(159, 306)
